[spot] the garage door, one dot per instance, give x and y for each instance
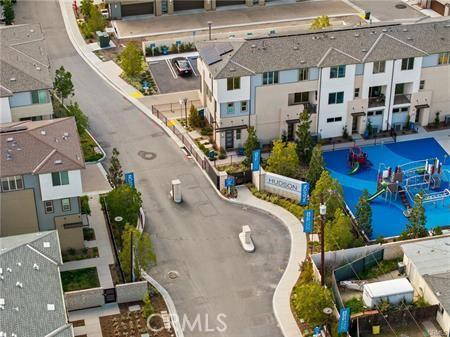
(182, 5)
(137, 9)
(220, 3)
(438, 7)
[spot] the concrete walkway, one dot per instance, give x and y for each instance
(102, 242)
(281, 298)
(92, 326)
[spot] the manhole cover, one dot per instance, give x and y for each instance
(172, 274)
(147, 155)
(400, 6)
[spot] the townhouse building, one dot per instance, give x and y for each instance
(119, 9)
(40, 179)
(25, 74)
(389, 74)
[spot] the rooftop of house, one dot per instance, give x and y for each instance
(430, 257)
(324, 48)
(24, 62)
(40, 147)
(439, 285)
(32, 301)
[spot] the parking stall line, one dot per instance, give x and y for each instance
(174, 74)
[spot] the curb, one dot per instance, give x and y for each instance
(101, 149)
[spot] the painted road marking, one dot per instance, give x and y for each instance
(137, 94)
(174, 74)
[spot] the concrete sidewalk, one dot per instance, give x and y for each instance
(245, 16)
(102, 242)
(281, 298)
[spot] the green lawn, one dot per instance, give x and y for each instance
(80, 279)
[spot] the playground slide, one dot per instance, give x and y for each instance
(355, 168)
(376, 194)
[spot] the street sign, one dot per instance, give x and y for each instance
(308, 221)
(344, 319)
(129, 179)
(304, 196)
(230, 181)
(256, 159)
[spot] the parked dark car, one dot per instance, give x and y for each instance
(182, 66)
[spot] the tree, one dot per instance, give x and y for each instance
(194, 118)
(147, 309)
(8, 12)
(304, 140)
(85, 7)
(251, 144)
(415, 228)
(125, 202)
(308, 302)
(131, 60)
(283, 159)
(81, 119)
(331, 191)
(115, 173)
(315, 167)
(142, 247)
(338, 232)
(96, 21)
(321, 22)
(364, 213)
(62, 84)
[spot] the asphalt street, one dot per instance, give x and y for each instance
(198, 239)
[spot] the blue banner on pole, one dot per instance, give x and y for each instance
(256, 159)
(230, 181)
(129, 179)
(344, 319)
(304, 194)
(308, 221)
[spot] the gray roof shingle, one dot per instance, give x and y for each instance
(24, 63)
(30, 282)
(330, 47)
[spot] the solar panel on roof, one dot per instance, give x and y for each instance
(210, 55)
(223, 48)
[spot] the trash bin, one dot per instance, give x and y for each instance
(201, 112)
(367, 16)
(103, 39)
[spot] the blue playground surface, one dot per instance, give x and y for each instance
(387, 215)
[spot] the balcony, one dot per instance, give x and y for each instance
(377, 101)
(402, 99)
(310, 107)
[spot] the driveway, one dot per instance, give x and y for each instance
(168, 80)
(197, 239)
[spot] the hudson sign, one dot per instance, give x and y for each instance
(287, 187)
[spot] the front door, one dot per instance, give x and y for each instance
(229, 139)
(355, 124)
(417, 116)
(290, 131)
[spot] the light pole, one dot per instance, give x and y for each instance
(323, 213)
(185, 109)
(209, 29)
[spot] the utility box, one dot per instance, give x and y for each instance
(103, 39)
(175, 192)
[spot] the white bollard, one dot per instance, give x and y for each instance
(175, 192)
(246, 239)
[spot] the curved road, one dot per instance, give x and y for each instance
(197, 239)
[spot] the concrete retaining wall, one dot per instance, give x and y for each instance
(130, 292)
(82, 299)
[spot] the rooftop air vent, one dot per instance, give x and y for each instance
(2, 301)
(31, 30)
(9, 139)
(232, 69)
(43, 132)
(12, 79)
(38, 68)
(302, 61)
(384, 30)
(295, 47)
(356, 35)
(332, 37)
(19, 284)
(50, 307)
(364, 50)
(253, 46)
(19, 264)
(65, 135)
(8, 156)
(35, 266)
(405, 29)
(9, 270)
(46, 244)
(58, 162)
(409, 38)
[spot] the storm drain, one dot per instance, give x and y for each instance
(147, 155)
(172, 274)
(400, 6)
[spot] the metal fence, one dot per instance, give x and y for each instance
(359, 142)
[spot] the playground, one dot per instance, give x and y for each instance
(393, 174)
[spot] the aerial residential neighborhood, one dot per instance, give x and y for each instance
(232, 168)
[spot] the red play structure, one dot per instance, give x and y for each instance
(357, 158)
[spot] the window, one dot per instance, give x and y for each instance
(12, 183)
(399, 88)
(301, 97)
(270, 77)
(444, 58)
(379, 67)
(65, 205)
(48, 206)
(39, 96)
(422, 85)
(60, 178)
(334, 119)
(244, 106)
(408, 63)
(337, 72)
(336, 97)
(399, 110)
(356, 92)
(303, 74)
(238, 134)
(375, 113)
(230, 108)
(233, 83)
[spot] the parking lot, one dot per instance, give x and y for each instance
(168, 80)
